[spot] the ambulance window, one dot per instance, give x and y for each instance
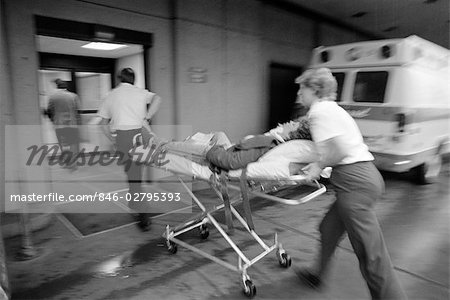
(370, 86)
(340, 82)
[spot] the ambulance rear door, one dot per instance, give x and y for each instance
(365, 94)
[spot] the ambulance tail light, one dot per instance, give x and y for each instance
(325, 56)
(401, 122)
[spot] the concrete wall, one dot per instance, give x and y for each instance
(332, 36)
(209, 61)
(231, 42)
(6, 103)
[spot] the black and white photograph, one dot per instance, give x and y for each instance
(225, 149)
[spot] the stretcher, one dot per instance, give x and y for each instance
(258, 179)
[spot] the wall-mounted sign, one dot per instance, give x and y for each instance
(197, 75)
(197, 70)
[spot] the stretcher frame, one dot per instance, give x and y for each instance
(205, 217)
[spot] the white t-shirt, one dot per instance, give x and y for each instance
(126, 106)
(329, 120)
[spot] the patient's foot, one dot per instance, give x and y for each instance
(309, 277)
(146, 152)
(150, 139)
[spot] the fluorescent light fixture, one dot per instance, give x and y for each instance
(103, 46)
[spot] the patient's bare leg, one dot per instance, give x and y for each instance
(187, 147)
(194, 148)
(220, 139)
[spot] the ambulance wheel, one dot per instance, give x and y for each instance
(428, 172)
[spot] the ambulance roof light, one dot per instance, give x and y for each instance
(353, 54)
(387, 51)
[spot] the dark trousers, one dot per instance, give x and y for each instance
(69, 136)
(133, 170)
(358, 186)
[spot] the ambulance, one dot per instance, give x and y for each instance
(397, 91)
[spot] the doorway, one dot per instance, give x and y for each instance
(85, 58)
(88, 72)
(283, 93)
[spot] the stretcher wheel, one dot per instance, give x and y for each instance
(204, 232)
(172, 248)
(249, 289)
(285, 260)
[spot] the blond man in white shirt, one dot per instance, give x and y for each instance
(357, 183)
(125, 107)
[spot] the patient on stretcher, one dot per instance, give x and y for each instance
(217, 150)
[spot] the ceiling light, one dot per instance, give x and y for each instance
(103, 46)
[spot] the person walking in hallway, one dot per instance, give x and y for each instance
(62, 110)
(125, 107)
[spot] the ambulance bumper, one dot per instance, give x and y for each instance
(399, 163)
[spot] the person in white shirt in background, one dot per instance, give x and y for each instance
(357, 183)
(125, 107)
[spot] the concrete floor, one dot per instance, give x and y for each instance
(125, 263)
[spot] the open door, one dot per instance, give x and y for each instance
(283, 93)
(65, 53)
